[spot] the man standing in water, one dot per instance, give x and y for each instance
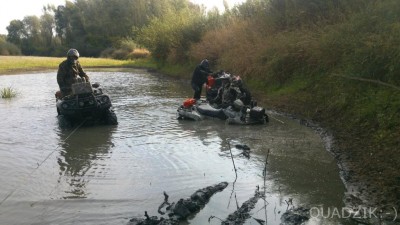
(199, 77)
(68, 71)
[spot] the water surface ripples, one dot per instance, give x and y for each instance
(108, 174)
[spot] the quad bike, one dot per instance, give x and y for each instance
(87, 102)
(235, 114)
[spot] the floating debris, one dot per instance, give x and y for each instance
(243, 213)
(295, 216)
(245, 150)
(243, 147)
(182, 209)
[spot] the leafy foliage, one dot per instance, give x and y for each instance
(7, 48)
(88, 25)
(172, 34)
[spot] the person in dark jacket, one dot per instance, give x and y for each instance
(199, 78)
(68, 72)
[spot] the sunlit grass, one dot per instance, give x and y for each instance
(15, 64)
(8, 92)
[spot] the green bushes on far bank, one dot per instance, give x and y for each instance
(7, 48)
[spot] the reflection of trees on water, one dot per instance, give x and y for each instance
(81, 156)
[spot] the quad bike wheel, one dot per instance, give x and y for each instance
(111, 118)
(63, 122)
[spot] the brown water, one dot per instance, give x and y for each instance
(109, 174)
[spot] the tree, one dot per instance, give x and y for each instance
(7, 48)
(47, 26)
(173, 33)
(33, 40)
(16, 32)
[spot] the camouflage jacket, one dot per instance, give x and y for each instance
(67, 74)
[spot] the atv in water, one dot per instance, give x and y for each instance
(235, 114)
(245, 115)
(86, 103)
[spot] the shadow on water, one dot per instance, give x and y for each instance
(81, 155)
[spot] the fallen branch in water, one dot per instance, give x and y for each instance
(163, 204)
(183, 208)
(265, 171)
(233, 161)
(265, 185)
(243, 213)
(245, 150)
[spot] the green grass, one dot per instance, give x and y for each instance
(17, 64)
(8, 92)
(180, 71)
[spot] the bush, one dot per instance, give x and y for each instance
(139, 53)
(125, 49)
(8, 92)
(173, 33)
(233, 47)
(107, 53)
(7, 48)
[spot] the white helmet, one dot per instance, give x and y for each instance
(73, 53)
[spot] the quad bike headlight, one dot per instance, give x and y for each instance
(64, 105)
(81, 103)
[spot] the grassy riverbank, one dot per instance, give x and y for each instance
(363, 117)
(18, 64)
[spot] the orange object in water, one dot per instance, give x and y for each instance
(189, 102)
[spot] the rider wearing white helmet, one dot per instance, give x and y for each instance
(68, 71)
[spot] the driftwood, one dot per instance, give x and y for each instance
(245, 150)
(243, 213)
(182, 209)
(295, 216)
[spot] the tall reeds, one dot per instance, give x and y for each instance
(8, 92)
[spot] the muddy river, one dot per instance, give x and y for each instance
(109, 174)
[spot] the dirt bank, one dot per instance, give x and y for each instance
(368, 169)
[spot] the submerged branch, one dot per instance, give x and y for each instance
(233, 161)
